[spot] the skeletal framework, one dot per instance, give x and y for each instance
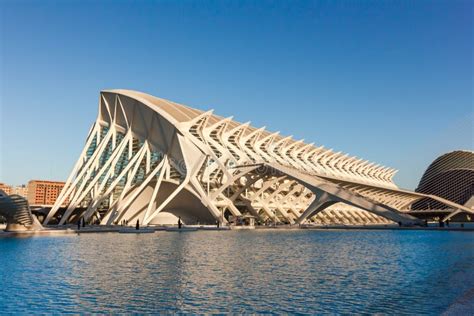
(153, 160)
(450, 176)
(16, 211)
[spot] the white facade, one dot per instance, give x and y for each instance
(152, 160)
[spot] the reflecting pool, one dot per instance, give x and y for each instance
(280, 271)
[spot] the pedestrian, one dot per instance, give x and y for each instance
(179, 222)
(137, 227)
(79, 225)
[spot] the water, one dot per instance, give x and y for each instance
(291, 271)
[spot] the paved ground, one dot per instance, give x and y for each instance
(391, 227)
(72, 229)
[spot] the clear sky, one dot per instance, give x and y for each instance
(389, 81)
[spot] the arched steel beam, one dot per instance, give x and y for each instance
(333, 192)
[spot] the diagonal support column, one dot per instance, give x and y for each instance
(321, 202)
(156, 189)
(87, 169)
(190, 174)
(126, 202)
(80, 162)
(469, 204)
(93, 206)
(112, 160)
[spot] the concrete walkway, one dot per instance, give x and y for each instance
(67, 230)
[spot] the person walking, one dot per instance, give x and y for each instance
(179, 222)
(137, 227)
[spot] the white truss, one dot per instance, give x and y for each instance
(151, 160)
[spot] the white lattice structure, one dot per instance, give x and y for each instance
(450, 176)
(152, 160)
(16, 211)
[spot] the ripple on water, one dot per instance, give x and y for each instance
(385, 272)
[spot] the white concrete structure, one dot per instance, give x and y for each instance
(152, 160)
(16, 211)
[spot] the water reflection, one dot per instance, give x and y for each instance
(390, 272)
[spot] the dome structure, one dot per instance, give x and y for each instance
(450, 176)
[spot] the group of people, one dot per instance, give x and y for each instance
(124, 222)
(180, 223)
(82, 222)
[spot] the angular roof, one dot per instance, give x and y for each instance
(179, 113)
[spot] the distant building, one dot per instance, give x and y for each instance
(21, 190)
(42, 192)
(6, 188)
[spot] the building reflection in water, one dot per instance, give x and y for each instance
(252, 271)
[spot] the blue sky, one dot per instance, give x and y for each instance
(389, 81)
